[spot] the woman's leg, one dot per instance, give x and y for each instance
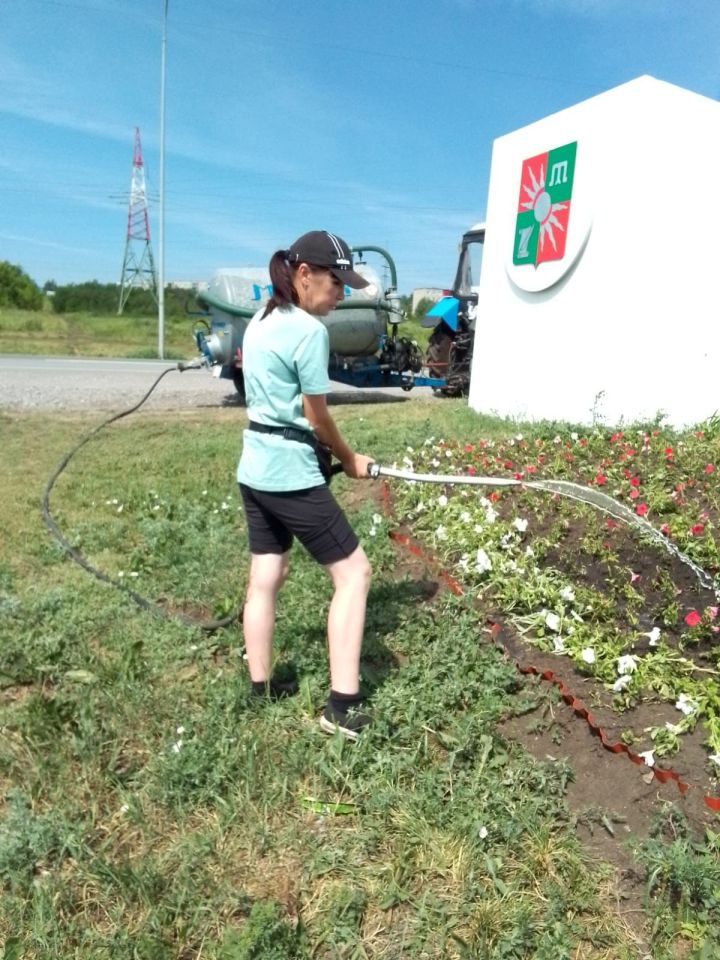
(267, 574)
(346, 620)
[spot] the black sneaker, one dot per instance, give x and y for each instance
(349, 725)
(276, 689)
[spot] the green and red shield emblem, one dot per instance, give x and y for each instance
(544, 206)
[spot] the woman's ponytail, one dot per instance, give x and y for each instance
(281, 272)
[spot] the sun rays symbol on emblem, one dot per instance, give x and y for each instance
(543, 208)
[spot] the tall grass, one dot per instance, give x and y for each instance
(87, 335)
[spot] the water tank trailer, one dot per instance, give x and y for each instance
(365, 349)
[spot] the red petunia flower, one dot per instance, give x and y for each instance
(494, 496)
(518, 476)
(641, 509)
(668, 451)
(468, 448)
(635, 482)
(665, 529)
(600, 480)
(611, 524)
(472, 471)
(696, 529)
(693, 618)
(709, 468)
(634, 494)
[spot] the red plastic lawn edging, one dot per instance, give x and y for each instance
(576, 705)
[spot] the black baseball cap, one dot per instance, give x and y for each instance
(322, 249)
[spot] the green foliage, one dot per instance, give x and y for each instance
(266, 935)
(103, 298)
(30, 842)
(17, 289)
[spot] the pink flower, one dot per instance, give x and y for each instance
(693, 618)
(634, 494)
(709, 468)
(712, 612)
(665, 529)
(634, 577)
(641, 509)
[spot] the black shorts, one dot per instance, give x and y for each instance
(313, 516)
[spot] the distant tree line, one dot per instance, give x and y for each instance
(103, 298)
(19, 290)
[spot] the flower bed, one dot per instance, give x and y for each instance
(580, 584)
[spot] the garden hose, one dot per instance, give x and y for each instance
(151, 607)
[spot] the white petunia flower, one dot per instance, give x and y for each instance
(441, 533)
(483, 563)
(465, 517)
(588, 655)
(686, 704)
(442, 500)
(372, 531)
(567, 594)
(177, 746)
(715, 757)
(653, 636)
(124, 808)
(464, 563)
(490, 515)
(409, 450)
(558, 645)
(626, 664)
(376, 519)
(674, 728)
(649, 757)
(573, 436)
(483, 832)
(520, 524)
(180, 730)
(478, 528)
(552, 621)
(622, 682)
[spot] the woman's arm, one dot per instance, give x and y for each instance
(320, 419)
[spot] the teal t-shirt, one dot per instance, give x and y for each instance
(285, 355)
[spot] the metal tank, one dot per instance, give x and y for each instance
(357, 328)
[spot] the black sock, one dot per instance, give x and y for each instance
(342, 702)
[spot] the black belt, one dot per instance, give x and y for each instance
(327, 467)
(289, 433)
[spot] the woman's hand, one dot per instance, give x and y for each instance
(357, 465)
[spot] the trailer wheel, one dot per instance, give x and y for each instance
(239, 381)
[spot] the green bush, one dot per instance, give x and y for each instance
(17, 289)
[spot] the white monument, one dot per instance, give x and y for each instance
(598, 298)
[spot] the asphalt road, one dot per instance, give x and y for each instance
(59, 383)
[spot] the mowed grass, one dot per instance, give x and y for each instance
(151, 810)
(35, 332)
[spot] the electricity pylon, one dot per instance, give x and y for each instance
(138, 264)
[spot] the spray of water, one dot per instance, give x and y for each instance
(562, 488)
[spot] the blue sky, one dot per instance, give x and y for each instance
(374, 120)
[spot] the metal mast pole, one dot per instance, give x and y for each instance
(161, 232)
